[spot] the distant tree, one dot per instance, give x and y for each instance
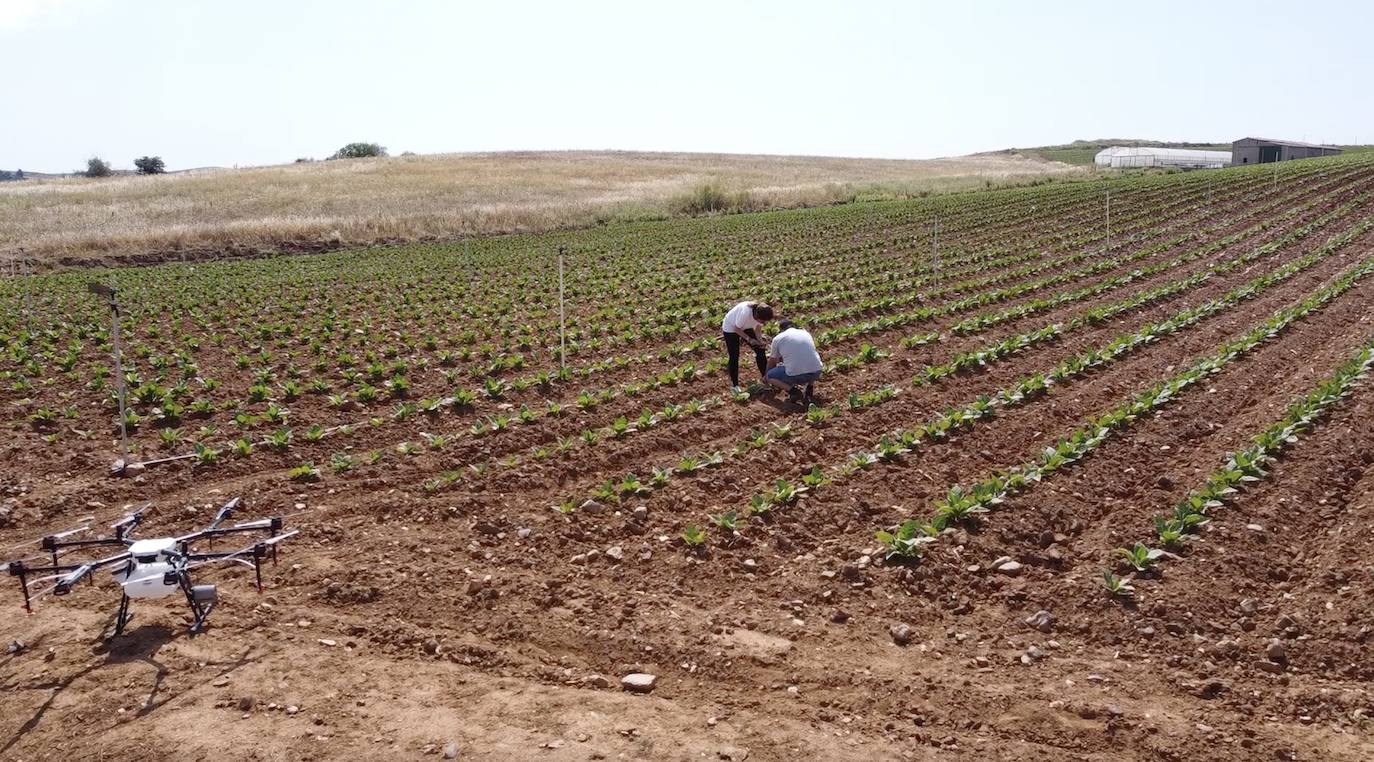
(96, 167)
(5, 174)
(150, 165)
(359, 151)
(304, 160)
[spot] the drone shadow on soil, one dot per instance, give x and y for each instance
(141, 644)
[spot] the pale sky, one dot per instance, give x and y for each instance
(244, 82)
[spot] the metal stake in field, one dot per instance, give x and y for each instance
(562, 318)
(120, 466)
(28, 291)
(1109, 220)
(937, 241)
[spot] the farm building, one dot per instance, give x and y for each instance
(1264, 151)
(1126, 157)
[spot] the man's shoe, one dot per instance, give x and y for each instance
(795, 395)
(735, 390)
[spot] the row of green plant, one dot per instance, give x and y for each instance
(1099, 266)
(394, 387)
(978, 359)
(566, 446)
(1241, 470)
(983, 322)
(964, 503)
(894, 446)
(397, 387)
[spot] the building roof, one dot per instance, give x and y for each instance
(1292, 143)
(1165, 153)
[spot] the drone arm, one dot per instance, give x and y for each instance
(74, 572)
(51, 543)
(54, 545)
(271, 525)
(256, 551)
(66, 584)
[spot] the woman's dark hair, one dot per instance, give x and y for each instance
(784, 325)
(762, 312)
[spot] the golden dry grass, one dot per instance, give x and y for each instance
(365, 201)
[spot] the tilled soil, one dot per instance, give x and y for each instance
(477, 622)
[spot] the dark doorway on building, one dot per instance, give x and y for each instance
(1269, 154)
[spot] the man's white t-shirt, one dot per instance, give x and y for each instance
(798, 352)
(740, 318)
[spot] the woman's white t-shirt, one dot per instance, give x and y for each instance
(740, 318)
(797, 350)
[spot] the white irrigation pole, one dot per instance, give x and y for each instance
(937, 240)
(562, 318)
(28, 291)
(1109, 220)
(100, 289)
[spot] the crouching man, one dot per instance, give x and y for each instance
(794, 363)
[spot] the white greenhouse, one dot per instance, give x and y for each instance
(1126, 157)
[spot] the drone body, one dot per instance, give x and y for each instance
(145, 574)
(151, 568)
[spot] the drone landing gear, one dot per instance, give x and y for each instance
(122, 618)
(201, 599)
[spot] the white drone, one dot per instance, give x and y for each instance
(154, 568)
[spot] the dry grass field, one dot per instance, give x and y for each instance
(322, 205)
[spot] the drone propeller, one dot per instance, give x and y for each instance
(225, 560)
(225, 512)
(77, 573)
(27, 559)
(125, 526)
(278, 538)
(257, 550)
(70, 532)
(267, 543)
(46, 578)
(85, 526)
(29, 597)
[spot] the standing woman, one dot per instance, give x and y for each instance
(742, 323)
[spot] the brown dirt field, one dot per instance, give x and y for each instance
(402, 621)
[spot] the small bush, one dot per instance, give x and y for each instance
(712, 198)
(150, 165)
(359, 151)
(96, 167)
